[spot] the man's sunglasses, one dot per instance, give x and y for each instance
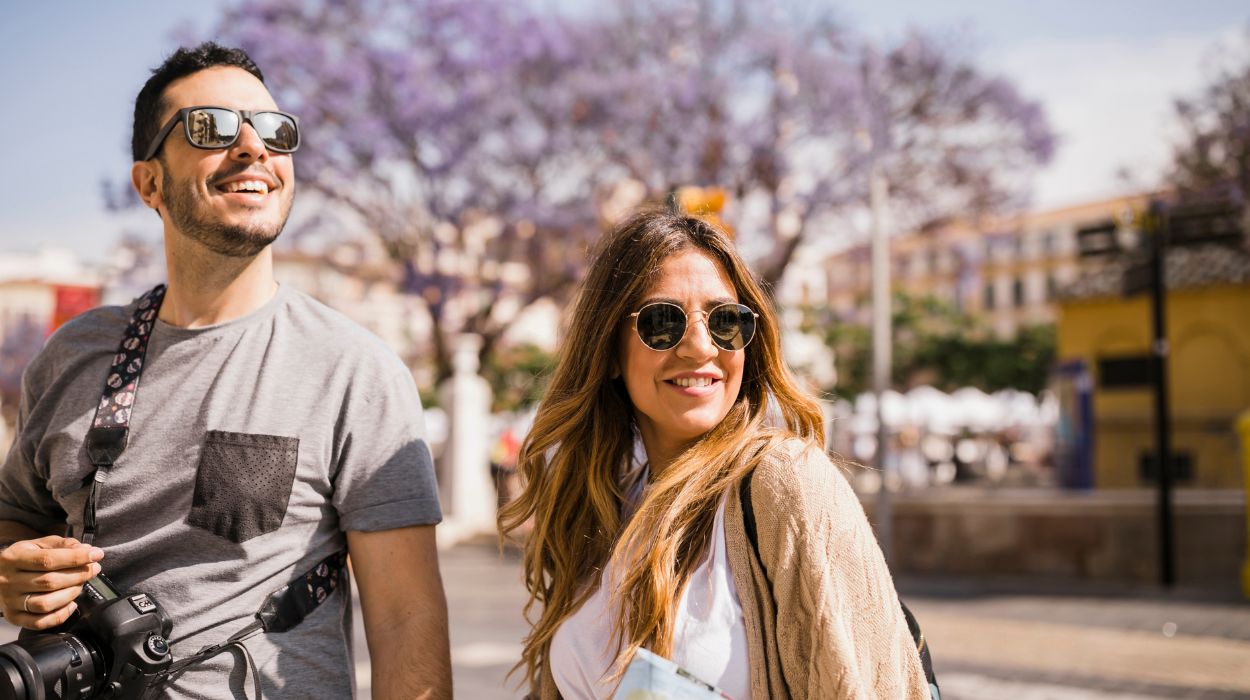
(662, 325)
(219, 127)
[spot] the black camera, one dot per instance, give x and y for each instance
(113, 647)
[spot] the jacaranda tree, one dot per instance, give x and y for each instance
(484, 141)
(787, 111)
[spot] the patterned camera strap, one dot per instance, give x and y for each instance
(110, 430)
(106, 441)
(282, 610)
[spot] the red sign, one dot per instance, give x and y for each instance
(71, 301)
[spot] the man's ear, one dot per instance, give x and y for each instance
(145, 177)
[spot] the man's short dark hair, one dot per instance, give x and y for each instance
(150, 102)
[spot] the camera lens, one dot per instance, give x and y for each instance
(59, 665)
(13, 682)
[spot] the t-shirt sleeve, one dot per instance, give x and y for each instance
(385, 476)
(24, 494)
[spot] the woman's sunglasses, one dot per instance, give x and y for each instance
(662, 325)
(219, 127)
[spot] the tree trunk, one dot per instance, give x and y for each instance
(442, 352)
(773, 267)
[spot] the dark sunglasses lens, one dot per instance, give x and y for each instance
(212, 128)
(732, 326)
(278, 131)
(661, 326)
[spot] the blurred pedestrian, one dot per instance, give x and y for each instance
(669, 396)
(503, 457)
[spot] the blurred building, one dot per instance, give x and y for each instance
(43, 290)
(1007, 271)
(1105, 334)
(38, 292)
(359, 282)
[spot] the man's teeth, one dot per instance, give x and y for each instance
(257, 186)
(693, 381)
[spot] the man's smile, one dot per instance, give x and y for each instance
(249, 186)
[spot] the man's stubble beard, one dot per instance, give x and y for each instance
(196, 221)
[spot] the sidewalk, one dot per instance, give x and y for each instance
(1026, 640)
(1135, 642)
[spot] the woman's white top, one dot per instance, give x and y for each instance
(709, 641)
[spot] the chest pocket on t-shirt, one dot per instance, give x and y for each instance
(243, 484)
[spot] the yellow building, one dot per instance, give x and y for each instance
(1208, 336)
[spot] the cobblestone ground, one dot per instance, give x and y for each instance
(1023, 641)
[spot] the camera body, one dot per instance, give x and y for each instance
(115, 646)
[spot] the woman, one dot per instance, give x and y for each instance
(669, 391)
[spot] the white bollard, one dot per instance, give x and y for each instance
(466, 491)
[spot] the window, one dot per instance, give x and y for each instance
(1130, 372)
(1148, 467)
(1017, 292)
(1097, 238)
(1052, 288)
(988, 299)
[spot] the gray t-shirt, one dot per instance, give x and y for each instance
(254, 445)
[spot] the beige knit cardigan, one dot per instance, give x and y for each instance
(822, 617)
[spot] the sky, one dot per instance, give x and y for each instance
(1105, 72)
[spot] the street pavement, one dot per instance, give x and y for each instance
(1029, 641)
(990, 640)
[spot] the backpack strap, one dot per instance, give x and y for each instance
(748, 515)
(922, 646)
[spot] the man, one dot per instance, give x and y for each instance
(267, 431)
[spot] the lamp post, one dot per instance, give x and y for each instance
(881, 349)
(1157, 227)
(1150, 276)
(1163, 415)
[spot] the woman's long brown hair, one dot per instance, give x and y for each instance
(572, 460)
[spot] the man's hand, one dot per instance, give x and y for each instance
(40, 579)
(405, 611)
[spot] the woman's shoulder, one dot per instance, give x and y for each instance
(795, 475)
(794, 459)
